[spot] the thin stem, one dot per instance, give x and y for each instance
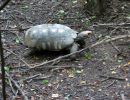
(2, 69)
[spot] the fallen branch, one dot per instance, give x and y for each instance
(17, 86)
(106, 40)
(59, 66)
(4, 4)
(112, 77)
(115, 47)
(112, 24)
(10, 83)
(42, 78)
(104, 80)
(15, 29)
(110, 84)
(7, 55)
(29, 78)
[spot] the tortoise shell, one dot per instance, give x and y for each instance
(50, 37)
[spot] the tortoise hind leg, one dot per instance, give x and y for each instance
(29, 52)
(74, 48)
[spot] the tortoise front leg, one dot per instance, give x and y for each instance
(74, 48)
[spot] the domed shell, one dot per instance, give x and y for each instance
(50, 36)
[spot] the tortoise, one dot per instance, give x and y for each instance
(54, 37)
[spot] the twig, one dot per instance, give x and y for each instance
(17, 86)
(7, 55)
(4, 19)
(55, 69)
(41, 78)
(115, 47)
(56, 66)
(15, 29)
(31, 77)
(11, 86)
(18, 57)
(110, 84)
(106, 40)
(112, 77)
(69, 17)
(114, 30)
(113, 24)
(104, 79)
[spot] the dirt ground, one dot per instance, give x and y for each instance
(96, 74)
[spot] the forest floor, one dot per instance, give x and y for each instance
(100, 73)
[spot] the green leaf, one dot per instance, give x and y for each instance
(87, 23)
(61, 13)
(120, 59)
(93, 17)
(17, 40)
(25, 7)
(7, 68)
(88, 56)
(45, 82)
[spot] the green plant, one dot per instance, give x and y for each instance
(7, 68)
(17, 40)
(45, 82)
(61, 13)
(88, 56)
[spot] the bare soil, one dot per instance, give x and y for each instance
(79, 79)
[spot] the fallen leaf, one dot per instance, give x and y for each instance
(79, 71)
(129, 63)
(128, 84)
(71, 75)
(113, 72)
(17, 40)
(55, 95)
(45, 82)
(82, 82)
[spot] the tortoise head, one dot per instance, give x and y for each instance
(84, 34)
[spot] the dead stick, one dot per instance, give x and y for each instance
(106, 40)
(113, 24)
(14, 29)
(110, 84)
(41, 78)
(59, 66)
(112, 77)
(17, 86)
(29, 78)
(115, 47)
(10, 83)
